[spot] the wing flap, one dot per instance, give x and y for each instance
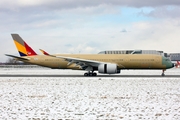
(81, 62)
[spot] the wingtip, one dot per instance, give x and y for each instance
(6, 54)
(44, 52)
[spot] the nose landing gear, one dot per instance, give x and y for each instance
(163, 73)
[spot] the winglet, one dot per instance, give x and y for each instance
(44, 52)
(23, 48)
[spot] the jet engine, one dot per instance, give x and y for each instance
(108, 68)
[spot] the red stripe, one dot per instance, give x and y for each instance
(29, 50)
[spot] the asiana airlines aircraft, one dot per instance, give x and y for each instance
(103, 63)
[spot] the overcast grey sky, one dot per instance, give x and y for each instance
(83, 26)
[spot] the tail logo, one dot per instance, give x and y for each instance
(23, 48)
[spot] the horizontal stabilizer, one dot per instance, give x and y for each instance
(19, 58)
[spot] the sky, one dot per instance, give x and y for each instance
(84, 26)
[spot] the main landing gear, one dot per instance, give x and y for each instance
(90, 74)
(163, 73)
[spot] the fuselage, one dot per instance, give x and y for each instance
(123, 61)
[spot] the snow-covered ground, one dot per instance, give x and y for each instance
(88, 97)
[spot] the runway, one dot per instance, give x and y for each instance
(44, 72)
(66, 75)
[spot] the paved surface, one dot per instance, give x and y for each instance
(130, 76)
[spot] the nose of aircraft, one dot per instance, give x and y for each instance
(168, 63)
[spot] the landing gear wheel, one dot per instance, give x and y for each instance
(86, 74)
(94, 74)
(163, 73)
(90, 74)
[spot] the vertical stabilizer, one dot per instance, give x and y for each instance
(23, 48)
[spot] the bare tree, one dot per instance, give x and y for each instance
(11, 61)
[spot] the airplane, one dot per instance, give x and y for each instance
(103, 63)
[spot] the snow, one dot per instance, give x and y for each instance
(88, 97)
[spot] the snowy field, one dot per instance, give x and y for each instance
(45, 98)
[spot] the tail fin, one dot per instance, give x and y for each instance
(23, 48)
(44, 52)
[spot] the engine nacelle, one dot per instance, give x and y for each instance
(108, 68)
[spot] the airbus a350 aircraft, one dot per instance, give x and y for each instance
(103, 63)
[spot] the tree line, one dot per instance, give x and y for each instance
(12, 61)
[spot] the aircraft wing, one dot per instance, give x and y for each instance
(19, 58)
(44, 52)
(83, 63)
